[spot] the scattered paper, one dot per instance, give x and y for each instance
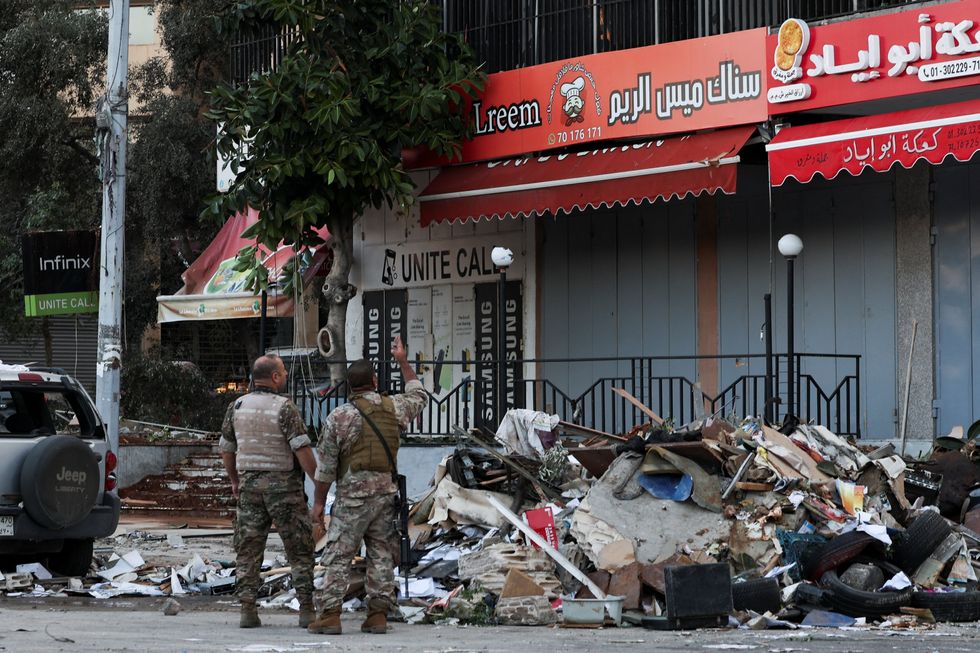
(797, 497)
(175, 540)
(194, 569)
(851, 496)
(124, 565)
(897, 582)
(779, 571)
(175, 586)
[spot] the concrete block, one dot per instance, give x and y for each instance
(525, 611)
(12, 582)
(490, 566)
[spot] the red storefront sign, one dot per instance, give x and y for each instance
(876, 142)
(660, 89)
(916, 51)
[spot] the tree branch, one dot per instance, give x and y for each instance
(88, 156)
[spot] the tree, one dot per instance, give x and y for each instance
(52, 62)
(318, 139)
(171, 158)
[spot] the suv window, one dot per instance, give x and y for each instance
(42, 411)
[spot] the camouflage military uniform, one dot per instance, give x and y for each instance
(270, 489)
(364, 509)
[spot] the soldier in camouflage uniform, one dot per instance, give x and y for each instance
(265, 450)
(350, 453)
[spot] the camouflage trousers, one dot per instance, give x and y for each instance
(354, 519)
(265, 498)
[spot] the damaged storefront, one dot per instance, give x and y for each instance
(874, 123)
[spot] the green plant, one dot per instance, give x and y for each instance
(318, 139)
(169, 392)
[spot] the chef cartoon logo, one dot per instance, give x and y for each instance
(577, 91)
(572, 92)
(791, 46)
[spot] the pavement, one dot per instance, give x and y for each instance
(210, 623)
(207, 624)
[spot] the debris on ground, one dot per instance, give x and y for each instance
(722, 522)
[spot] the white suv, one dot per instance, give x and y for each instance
(57, 473)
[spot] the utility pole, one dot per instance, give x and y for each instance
(111, 118)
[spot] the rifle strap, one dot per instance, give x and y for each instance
(384, 443)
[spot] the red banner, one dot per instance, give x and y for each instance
(660, 89)
(916, 51)
(876, 142)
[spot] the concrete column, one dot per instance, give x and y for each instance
(706, 234)
(914, 298)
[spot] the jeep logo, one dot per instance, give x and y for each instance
(73, 476)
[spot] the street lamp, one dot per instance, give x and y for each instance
(502, 259)
(790, 247)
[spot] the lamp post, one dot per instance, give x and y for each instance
(502, 258)
(790, 247)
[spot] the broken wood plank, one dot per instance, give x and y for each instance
(748, 486)
(658, 420)
(577, 429)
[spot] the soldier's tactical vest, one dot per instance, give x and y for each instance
(262, 446)
(366, 453)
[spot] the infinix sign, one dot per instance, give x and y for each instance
(63, 263)
(59, 273)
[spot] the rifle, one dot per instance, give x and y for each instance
(401, 501)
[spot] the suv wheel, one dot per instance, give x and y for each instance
(74, 559)
(59, 481)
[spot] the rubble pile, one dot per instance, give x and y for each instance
(792, 526)
(717, 523)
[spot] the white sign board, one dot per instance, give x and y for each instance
(432, 263)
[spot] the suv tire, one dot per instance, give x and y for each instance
(59, 481)
(74, 559)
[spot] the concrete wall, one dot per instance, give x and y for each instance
(914, 285)
(138, 461)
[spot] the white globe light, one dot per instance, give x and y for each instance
(790, 245)
(501, 257)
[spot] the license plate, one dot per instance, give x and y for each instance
(6, 525)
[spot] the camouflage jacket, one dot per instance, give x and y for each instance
(290, 424)
(343, 426)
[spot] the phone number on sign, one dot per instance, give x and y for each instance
(575, 135)
(937, 72)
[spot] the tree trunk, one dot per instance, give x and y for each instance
(337, 290)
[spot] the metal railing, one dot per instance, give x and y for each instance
(507, 34)
(823, 395)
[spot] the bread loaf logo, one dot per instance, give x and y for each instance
(791, 46)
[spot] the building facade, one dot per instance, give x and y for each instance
(643, 182)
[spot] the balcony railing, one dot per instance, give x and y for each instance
(508, 34)
(832, 399)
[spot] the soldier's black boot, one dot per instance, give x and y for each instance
(250, 615)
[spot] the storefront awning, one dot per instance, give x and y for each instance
(214, 291)
(875, 142)
(647, 171)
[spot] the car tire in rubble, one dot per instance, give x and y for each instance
(59, 481)
(835, 553)
(74, 559)
(949, 606)
(924, 534)
(858, 603)
(760, 595)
